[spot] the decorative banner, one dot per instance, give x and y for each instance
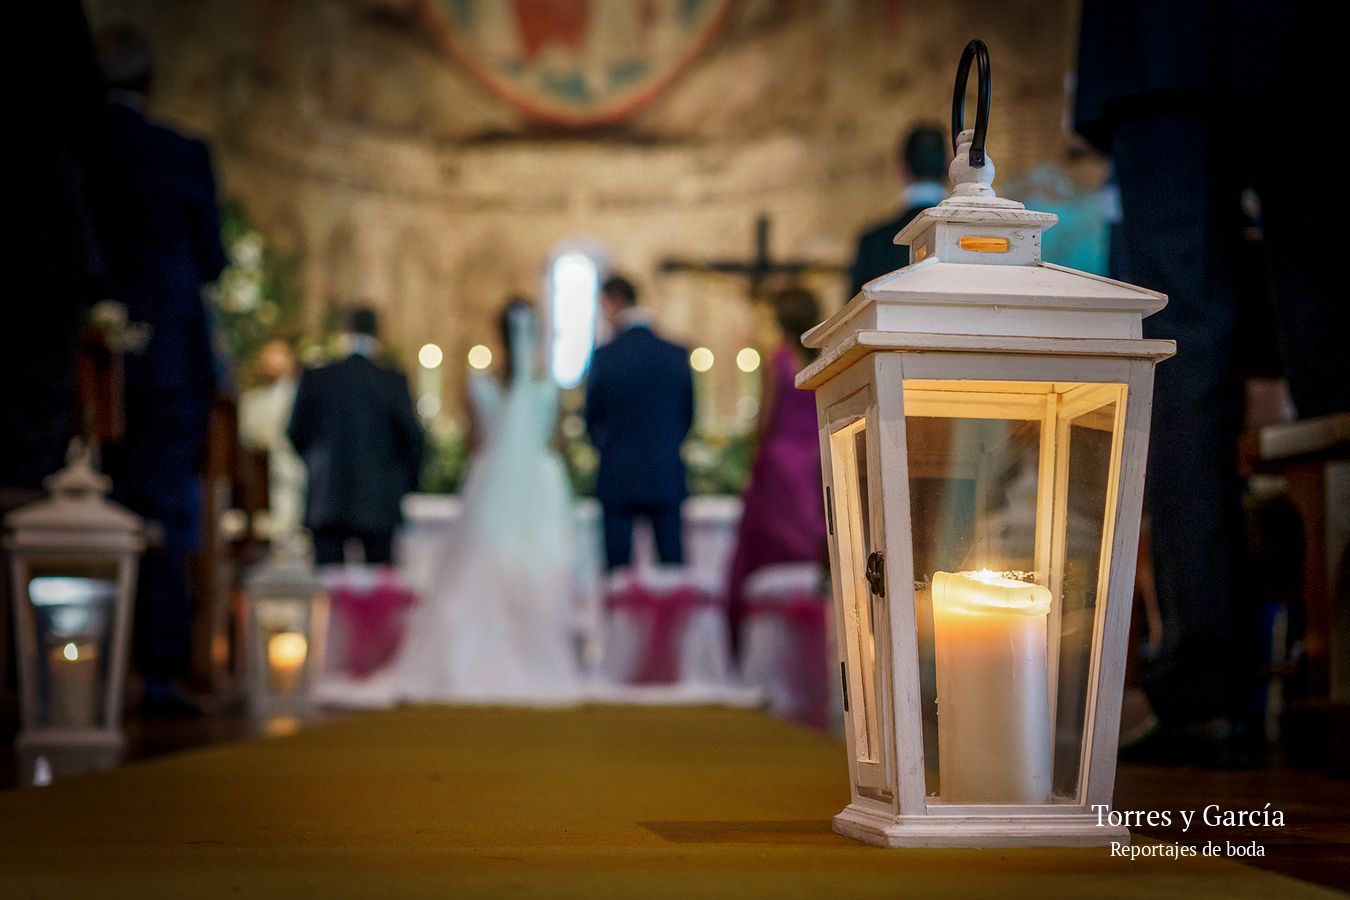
(575, 62)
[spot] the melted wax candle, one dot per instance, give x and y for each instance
(993, 699)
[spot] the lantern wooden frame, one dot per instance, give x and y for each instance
(286, 581)
(77, 526)
(983, 327)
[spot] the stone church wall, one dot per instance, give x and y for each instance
(353, 141)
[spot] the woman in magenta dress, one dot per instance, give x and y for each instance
(784, 516)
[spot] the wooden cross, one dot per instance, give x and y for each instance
(757, 270)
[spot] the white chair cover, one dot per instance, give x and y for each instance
(785, 642)
(664, 627)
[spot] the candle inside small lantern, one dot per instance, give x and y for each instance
(286, 652)
(73, 696)
(993, 702)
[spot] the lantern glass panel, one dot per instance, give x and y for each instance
(863, 613)
(73, 602)
(281, 646)
(1011, 490)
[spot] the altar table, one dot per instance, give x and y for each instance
(709, 538)
(491, 802)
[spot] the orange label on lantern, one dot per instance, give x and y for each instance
(984, 244)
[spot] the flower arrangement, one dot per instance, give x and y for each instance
(256, 298)
(446, 460)
(109, 319)
(717, 461)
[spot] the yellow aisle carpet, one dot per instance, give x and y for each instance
(456, 802)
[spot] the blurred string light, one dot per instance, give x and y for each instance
(430, 356)
(573, 426)
(748, 359)
(701, 359)
(428, 405)
(480, 357)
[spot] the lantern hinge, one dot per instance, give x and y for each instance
(843, 682)
(829, 508)
(876, 572)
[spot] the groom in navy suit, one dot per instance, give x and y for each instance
(639, 407)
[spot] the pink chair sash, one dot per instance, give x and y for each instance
(808, 670)
(664, 614)
(373, 620)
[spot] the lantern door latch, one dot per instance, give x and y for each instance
(876, 572)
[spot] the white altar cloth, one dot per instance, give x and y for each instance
(709, 542)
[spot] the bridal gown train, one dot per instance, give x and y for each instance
(498, 622)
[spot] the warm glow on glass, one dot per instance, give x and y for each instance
(480, 357)
(286, 652)
(984, 244)
(430, 356)
(701, 359)
(71, 652)
(748, 359)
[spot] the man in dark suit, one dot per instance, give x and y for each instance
(1195, 102)
(353, 424)
(639, 408)
(154, 198)
(922, 164)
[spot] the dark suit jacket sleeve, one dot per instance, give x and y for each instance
(686, 394)
(209, 251)
(301, 429)
(410, 434)
(857, 273)
(595, 403)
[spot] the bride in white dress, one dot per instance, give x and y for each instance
(498, 624)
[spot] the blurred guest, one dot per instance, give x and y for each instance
(264, 414)
(48, 250)
(158, 221)
(355, 427)
(639, 407)
(783, 520)
(1194, 102)
(921, 164)
(54, 267)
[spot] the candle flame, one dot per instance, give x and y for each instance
(287, 648)
(70, 652)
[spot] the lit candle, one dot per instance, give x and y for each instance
(286, 651)
(73, 689)
(993, 701)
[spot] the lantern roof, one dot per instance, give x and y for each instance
(286, 573)
(77, 515)
(977, 283)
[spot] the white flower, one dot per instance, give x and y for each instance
(247, 250)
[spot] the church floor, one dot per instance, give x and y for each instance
(617, 801)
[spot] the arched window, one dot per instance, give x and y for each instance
(574, 304)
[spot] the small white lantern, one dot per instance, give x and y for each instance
(984, 422)
(285, 631)
(73, 560)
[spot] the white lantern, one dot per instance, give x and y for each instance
(984, 422)
(285, 631)
(73, 560)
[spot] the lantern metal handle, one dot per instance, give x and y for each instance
(875, 572)
(977, 51)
